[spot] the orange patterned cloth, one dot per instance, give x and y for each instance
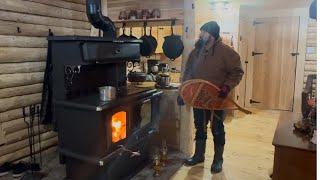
(202, 94)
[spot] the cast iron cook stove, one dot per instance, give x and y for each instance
(100, 140)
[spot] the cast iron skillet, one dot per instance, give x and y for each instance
(153, 40)
(123, 37)
(172, 46)
(132, 36)
(146, 48)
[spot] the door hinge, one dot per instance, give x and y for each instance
(254, 102)
(257, 22)
(256, 53)
(294, 54)
(246, 62)
(240, 38)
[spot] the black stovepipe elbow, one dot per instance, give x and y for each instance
(98, 20)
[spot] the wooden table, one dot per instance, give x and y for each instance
(294, 157)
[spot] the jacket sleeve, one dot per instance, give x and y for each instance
(187, 74)
(234, 69)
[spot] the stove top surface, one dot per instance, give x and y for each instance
(92, 101)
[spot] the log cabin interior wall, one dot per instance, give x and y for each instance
(24, 26)
(310, 66)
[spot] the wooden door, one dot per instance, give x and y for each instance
(245, 37)
(274, 70)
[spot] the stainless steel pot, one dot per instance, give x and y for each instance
(163, 80)
(107, 93)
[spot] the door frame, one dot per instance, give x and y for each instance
(302, 13)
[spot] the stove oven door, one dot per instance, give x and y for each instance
(142, 125)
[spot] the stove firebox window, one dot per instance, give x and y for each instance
(119, 126)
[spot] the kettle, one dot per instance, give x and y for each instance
(163, 80)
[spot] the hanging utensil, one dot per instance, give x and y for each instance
(173, 45)
(153, 41)
(146, 48)
(123, 37)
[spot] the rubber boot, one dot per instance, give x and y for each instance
(198, 156)
(216, 166)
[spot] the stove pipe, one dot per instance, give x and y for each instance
(98, 20)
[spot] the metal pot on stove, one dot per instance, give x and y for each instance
(163, 80)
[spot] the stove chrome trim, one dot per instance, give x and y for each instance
(98, 109)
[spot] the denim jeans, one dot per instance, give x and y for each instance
(201, 120)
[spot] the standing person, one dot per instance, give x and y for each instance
(213, 61)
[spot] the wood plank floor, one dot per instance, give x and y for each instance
(248, 151)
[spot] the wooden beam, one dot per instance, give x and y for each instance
(21, 29)
(43, 20)
(25, 67)
(27, 7)
(23, 42)
(19, 101)
(22, 90)
(20, 79)
(12, 54)
(62, 4)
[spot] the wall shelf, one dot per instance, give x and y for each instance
(148, 22)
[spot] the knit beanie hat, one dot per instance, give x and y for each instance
(212, 28)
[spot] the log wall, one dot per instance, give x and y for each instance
(310, 66)
(24, 26)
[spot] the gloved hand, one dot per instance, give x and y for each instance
(224, 91)
(180, 101)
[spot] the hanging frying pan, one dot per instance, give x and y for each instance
(146, 48)
(153, 40)
(123, 37)
(172, 46)
(131, 36)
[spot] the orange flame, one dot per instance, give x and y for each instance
(119, 126)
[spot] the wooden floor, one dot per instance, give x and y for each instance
(248, 151)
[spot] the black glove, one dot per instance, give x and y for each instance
(180, 101)
(224, 91)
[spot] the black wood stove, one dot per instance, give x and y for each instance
(100, 140)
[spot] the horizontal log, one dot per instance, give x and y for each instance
(13, 54)
(311, 50)
(21, 90)
(23, 134)
(25, 151)
(62, 4)
(26, 67)
(311, 56)
(23, 42)
(314, 63)
(312, 36)
(21, 29)
(19, 101)
(312, 40)
(16, 125)
(312, 23)
(45, 153)
(312, 29)
(43, 20)
(310, 68)
(27, 7)
(20, 79)
(10, 115)
(7, 149)
(311, 44)
(77, 1)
